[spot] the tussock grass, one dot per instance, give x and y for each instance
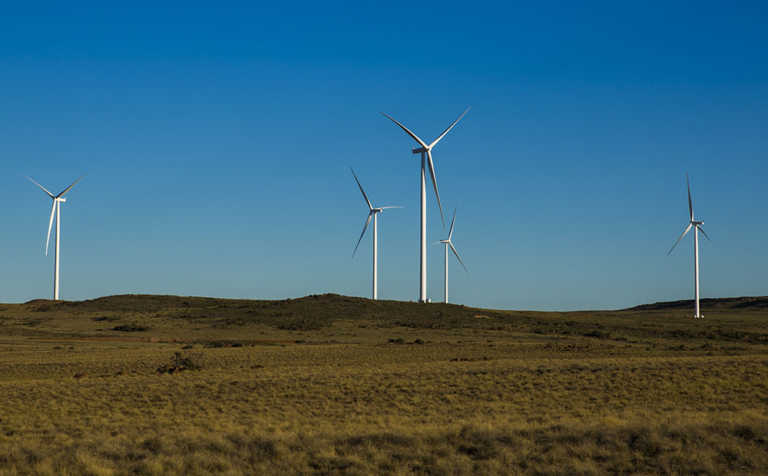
(358, 387)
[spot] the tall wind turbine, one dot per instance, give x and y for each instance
(426, 158)
(372, 213)
(55, 210)
(696, 225)
(447, 243)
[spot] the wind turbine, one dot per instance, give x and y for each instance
(696, 225)
(447, 243)
(426, 157)
(372, 213)
(55, 210)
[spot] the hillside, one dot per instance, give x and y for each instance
(332, 384)
(735, 303)
(181, 319)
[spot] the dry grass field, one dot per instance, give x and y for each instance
(336, 385)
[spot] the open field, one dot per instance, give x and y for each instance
(330, 384)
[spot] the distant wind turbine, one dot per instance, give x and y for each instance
(55, 210)
(449, 244)
(426, 157)
(696, 225)
(372, 213)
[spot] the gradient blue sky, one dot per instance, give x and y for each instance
(216, 143)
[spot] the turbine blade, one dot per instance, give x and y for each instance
(50, 225)
(440, 137)
(41, 187)
(434, 183)
(370, 207)
(703, 233)
(391, 206)
(453, 248)
(453, 221)
(690, 202)
(365, 227)
(70, 187)
(415, 137)
(685, 232)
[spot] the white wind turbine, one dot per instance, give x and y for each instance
(426, 157)
(696, 225)
(447, 243)
(55, 210)
(372, 213)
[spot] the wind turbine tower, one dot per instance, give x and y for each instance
(373, 213)
(55, 211)
(426, 159)
(696, 225)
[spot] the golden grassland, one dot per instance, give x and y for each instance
(337, 385)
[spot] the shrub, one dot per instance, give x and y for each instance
(130, 328)
(179, 362)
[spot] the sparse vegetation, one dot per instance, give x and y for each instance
(130, 328)
(181, 362)
(346, 385)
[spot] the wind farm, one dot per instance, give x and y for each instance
(335, 384)
(217, 309)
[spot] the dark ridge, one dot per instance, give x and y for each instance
(746, 302)
(157, 302)
(305, 313)
(346, 304)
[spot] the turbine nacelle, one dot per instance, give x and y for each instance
(448, 241)
(426, 151)
(372, 211)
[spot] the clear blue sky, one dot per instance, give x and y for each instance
(216, 143)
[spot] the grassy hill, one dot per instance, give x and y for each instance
(733, 304)
(331, 384)
(742, 319)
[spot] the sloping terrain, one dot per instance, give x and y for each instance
(339, 385)
(188, 318)
(736, 303)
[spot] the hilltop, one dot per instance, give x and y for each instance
(182, 319)
(336, 305)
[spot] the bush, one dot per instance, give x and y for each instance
(130, 328)
(179, 362)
